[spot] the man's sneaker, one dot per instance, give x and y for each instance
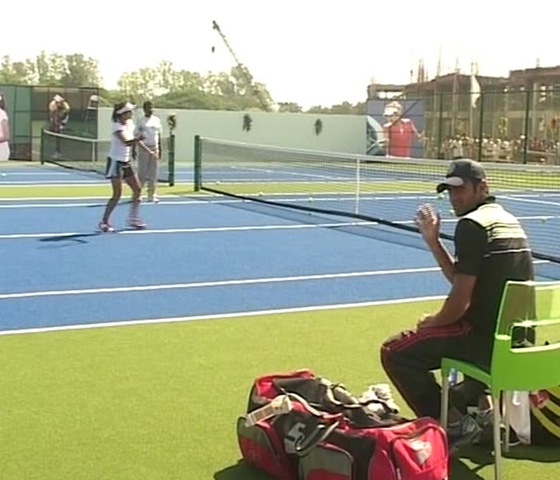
(485, 420)
(463, 432)
(106, 227)
(155, 199)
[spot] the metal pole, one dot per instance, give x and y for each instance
(481, 126)
(197, 164)
(526, 132)
(171, 159)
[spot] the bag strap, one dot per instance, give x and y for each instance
(312, 409)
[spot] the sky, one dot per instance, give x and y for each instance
(310, 52)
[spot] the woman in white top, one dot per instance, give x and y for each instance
(119, 167)
(4, 131)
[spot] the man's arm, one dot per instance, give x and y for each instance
(471, 244)
(443, 259)
(419, 135)
(386, 134)
(428, 222)
(456, 304)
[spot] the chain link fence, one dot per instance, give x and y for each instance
(507, 125)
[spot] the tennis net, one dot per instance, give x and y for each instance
(90, 154)
(384, 191)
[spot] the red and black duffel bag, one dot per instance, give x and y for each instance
(302, 427)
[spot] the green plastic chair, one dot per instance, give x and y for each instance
(526, 305)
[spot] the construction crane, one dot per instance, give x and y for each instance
(263, 101)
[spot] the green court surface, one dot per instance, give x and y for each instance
(160, 401)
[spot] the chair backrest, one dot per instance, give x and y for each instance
(93, 102)
(531, 306)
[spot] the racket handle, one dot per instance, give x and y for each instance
(278, 406)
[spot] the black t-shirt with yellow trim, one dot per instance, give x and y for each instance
(491, 245)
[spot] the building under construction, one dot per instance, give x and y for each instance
(504, 118)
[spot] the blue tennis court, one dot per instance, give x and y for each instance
(206, 256)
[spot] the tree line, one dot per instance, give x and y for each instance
(166, 85)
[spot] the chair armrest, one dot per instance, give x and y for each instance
(536, 323)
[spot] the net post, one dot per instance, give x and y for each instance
(197, 163)
(171, 160)
(357, 190)
(172, 124)
(42, 147)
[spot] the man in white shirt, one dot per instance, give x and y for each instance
(149, 127)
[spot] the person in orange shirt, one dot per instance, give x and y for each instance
(399, 132)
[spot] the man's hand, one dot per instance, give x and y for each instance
(428, 222)
(426, 321)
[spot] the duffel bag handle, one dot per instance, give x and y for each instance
(301, 445)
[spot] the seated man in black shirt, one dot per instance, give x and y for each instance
(490, 249)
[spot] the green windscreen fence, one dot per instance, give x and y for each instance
(28, 114)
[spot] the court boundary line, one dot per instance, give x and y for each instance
(298, 226)
(215, 283)
(148, 231)
(156, 321)
(222, 283)
(205, 198)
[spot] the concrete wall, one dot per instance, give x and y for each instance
(340, 133)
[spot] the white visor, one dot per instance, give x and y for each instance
(391, 111)
(128, 107)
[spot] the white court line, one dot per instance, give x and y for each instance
(223, 283)
(46, 235)
(103, 201)
(38, 174)
(219, 283)
(15, 236)
(350, 197)
(293, 197)
(530, 200)
(130, 323)
(57, 183)
(92, 197)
